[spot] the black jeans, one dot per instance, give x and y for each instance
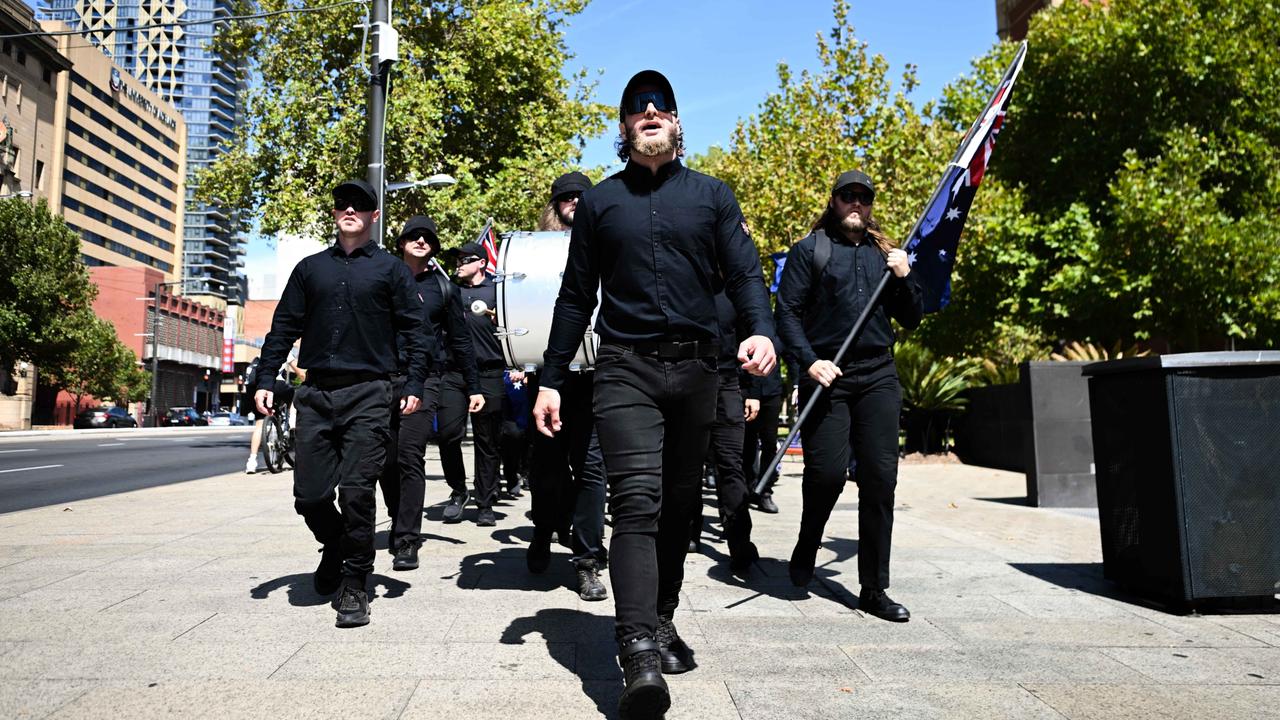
(341, 445)
(486, 428)
(760, 441)
(567, 477)
(653, 418)
(732, 493)
(859, 412)
(404, 476)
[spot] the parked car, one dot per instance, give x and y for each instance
(104, 417)
(183, 416)
(228, 418)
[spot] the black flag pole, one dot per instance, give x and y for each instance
(971, 143)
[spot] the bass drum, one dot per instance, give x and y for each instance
(530, 265)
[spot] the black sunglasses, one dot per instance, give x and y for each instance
(468, 259)
(357, 203)
(566, 197)
(848, 196)
(639, 102)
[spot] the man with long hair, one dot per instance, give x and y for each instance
(658, 241)
(860, 400)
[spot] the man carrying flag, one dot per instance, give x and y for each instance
(488, 242)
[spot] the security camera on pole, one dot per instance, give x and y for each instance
(386, 50)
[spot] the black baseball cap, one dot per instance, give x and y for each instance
(357, 192)
(419, 225)
(570, 183)
(465, 249)
(646, 77)
(854, 177)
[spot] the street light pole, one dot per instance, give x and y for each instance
(385, 52)
(155, 349)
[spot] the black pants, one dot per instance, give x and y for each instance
(653, 418)
(486, 428)
(732, 493)
(341, 445)
(859, 412)
(760, 441)
(567, 476)
(515, 451)
(404, 476)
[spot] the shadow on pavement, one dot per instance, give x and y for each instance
(562, 629)
(301, 593)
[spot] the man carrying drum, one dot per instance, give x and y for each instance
(658, 241)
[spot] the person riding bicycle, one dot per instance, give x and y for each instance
(283, 398)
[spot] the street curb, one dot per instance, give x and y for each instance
(69, 434)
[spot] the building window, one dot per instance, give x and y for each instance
(48, 76)
(40, 175)
(8, 47)
(22, 57)
(17, 100)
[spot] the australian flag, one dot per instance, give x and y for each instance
(931, 246)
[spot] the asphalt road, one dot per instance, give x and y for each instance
(39, 471)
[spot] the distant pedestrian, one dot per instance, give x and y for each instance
(347, 303)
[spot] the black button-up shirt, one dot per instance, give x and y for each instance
(659, 247)
(488, 351)
(813, 322)
(348, 310)
(446, 322)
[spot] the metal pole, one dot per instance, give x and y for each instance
(767, 472)
(155, 353)
(380, 19)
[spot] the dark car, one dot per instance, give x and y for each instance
(104, 417)
(183, 416)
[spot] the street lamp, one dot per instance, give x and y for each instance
(437, 180)
(19, 194)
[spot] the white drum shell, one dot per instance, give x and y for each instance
(530, 267)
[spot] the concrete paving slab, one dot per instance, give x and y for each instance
(855, 630)
(97, 628)
(927, 665)
(1159, 702)
(484, 663)
(248, 699)
(1067, 631)
(1194, 665)
(828, 701)
(142, 659)
(35, 699)
(806, 662)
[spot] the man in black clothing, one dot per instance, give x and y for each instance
(567, 478)
(347, 303)
(733, 494)
(817, 306)
(404, 475)
(762, 404)
(658, 241)
(486, 422)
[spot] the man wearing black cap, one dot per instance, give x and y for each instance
(567, 477)
(347, 303)
(658, 241)
(404, 477)
(486, 421)
(826, 282)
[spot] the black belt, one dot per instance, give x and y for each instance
(492, 365)
(335, 380)
(863, 354)
(674, 350)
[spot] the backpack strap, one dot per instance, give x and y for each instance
(821, 256)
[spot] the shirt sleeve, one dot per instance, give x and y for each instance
(464, 349)
(740, 265)
(906, 304)
(577, 299)
(793, 293)
(286, 326)
(408, 319)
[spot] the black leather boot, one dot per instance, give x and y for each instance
(676, 656)
(645, 696)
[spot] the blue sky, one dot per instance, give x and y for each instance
(721, 55)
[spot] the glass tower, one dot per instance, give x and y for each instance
(183, 67)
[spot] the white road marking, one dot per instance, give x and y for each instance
(37, 467)
(14, 451)
(110, 444)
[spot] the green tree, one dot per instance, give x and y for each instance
(44, 289)
(100, 366)
(478, 93)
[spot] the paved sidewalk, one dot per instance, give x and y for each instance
(194, 600)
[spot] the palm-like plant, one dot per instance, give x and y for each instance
(931, 389)
(1096, 352)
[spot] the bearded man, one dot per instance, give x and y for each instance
(658, 241)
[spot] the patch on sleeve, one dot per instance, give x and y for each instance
(745, 229)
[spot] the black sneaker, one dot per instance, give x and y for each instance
(803, 558)
(328, 573)
(645, 696)
(485, 518)
(453, 511)
(353, 608)
(406, 556)
(538, 557)
(513, 491)
(589, 586)
(676, 656)
(877, 603)
(766, 504)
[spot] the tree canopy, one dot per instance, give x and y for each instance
(478, 93)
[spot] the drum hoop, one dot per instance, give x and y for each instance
(503, 251)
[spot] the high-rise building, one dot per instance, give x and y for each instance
(181, 65)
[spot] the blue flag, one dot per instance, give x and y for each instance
(779, 260)
(931, 246)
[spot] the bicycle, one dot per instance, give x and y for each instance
(277, 438)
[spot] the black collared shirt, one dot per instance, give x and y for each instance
(659, 247)
(444, 321)
(348, 310)
(488, 351)
(813, 322)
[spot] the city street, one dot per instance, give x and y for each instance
(66, 465)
